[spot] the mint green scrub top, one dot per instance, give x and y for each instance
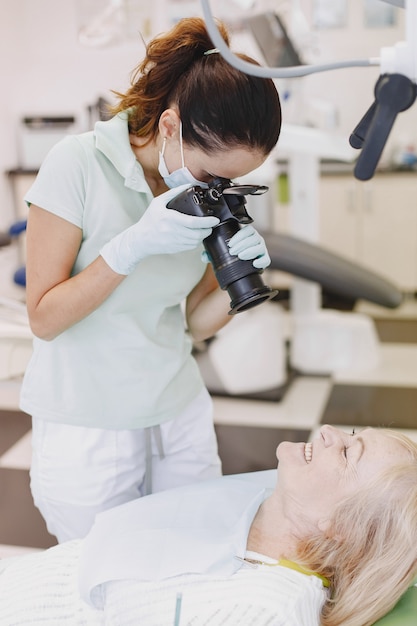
(128, 364)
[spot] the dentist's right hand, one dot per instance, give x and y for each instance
(159, 231)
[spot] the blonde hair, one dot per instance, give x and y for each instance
(369, 551)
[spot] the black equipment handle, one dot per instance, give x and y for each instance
(393, 93)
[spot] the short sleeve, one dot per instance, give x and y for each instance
(60, 184)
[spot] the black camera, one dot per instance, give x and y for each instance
(226, 200)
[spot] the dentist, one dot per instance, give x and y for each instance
(118, 405)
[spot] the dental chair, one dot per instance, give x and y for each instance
(349, 340)
(15, 230)
(404, 613)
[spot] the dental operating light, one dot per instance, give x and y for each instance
(395, 90)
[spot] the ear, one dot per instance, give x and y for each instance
(323, 525)
(169, 123)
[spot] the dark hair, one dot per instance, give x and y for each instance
(217, 103)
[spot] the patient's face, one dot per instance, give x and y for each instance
(314, 481)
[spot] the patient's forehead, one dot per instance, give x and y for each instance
(377, 450)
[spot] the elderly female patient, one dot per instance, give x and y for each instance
(334, 542)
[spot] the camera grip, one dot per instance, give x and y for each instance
(239, 277)
(191, 202)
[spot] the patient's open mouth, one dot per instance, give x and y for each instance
(308, 452)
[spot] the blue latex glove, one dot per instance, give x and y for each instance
(248, 244)
(159, 231)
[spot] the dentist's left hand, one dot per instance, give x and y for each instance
(248, 244)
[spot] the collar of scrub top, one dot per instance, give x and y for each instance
(112, 139)
(198, 529)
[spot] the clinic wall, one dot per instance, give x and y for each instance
(45, 71)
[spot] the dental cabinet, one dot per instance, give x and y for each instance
(373, 223)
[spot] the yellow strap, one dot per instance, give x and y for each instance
(303, 570)
(294, 566)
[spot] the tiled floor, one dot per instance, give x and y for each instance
(248, 430)
(22, 528)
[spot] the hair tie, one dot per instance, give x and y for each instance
(212, 51)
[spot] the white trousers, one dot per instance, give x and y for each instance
(77, 472)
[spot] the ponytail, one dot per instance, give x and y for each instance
(217, 103)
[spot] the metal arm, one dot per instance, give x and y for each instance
(395, 90)
(271, 72)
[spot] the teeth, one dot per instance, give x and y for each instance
(308, 452)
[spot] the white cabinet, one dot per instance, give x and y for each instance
(373, 223)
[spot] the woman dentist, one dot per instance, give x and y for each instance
(117, 401)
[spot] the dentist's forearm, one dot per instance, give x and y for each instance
(72, 300)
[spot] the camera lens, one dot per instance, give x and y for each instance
(241, 279)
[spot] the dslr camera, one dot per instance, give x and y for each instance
(226, 200)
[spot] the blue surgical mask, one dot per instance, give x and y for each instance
(178, 177)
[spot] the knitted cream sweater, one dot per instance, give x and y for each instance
(42, 589)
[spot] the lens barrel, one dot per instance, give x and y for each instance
(241, 279)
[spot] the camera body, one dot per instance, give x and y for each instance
(226, 200)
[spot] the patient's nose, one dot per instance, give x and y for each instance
(330, 435)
